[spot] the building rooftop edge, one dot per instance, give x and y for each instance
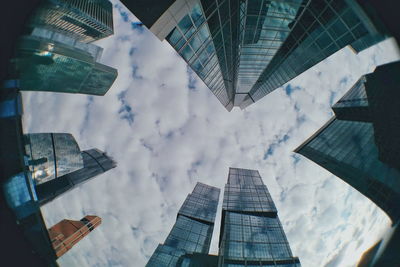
(308, 140)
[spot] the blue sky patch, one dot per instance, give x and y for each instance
(273, 146)
(125, 111)
(289, 89)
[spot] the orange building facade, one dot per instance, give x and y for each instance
(65, 234)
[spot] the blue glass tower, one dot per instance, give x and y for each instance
(373, 99)
(360, 144)
(251, 232)
(348, 150)
(192, 230)
(83, 20)
(51, 155)
(243, 50)
(49, 61)
(95, 162)
(55, 53)
(322, 28)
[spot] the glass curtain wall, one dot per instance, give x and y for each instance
(83, 20)
(51, 155)
(192, 230)
(322, 28)
(251, 232)
(348, 150)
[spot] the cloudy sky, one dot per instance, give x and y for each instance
(167, 131)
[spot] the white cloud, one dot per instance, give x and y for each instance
(166, 137)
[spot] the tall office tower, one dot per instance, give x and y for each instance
(360, 145)
(95, 162)
(251, 231)
(48, 61)
(348, 150)
(83, 20)
(51, 155)
(322, 28)
(373, 99)
(65, 234)
(192, 230)
(243, 50)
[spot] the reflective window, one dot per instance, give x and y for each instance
(191, 39)
(324, 28)
(52, 155)
(348, 150)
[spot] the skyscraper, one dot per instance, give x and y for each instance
(65, 234)
(358, 145)
(51, 155)
(83, 20)
(322, 28)
(250, 234)
(95, 162)
(373, 99)
(192, 230)
(243, 50)
(48, 61)
(250, 228)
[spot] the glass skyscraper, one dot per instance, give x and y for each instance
(95, 162)
(372, 99)
(57, 165)
(359, 144)
(55, 53)
(250, 235)
(83, 20)
(251, 232)
(322, 28)
(243, 50)
(48, 61)
(192, 230)
(51, 155)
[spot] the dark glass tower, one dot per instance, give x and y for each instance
(95, 162)
(52, 155)
(192, 230)
(48, 61)
(359, 144)
(243, 50)
(322, 28)
(373, 99)
(251, 231)
(83, 20)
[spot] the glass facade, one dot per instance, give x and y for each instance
(83, 20)
(245, 49)
(191, 38)
(354, 104)
(192, 230)
(322, 28)
(251, 232)
(11, 106)
(360, 145)
(348, 150)
(265, 25)
(20, 194)
(229, 43)
(201, 204)
(58, 65)
(95, 162)
(382, 90)
(51, 155)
